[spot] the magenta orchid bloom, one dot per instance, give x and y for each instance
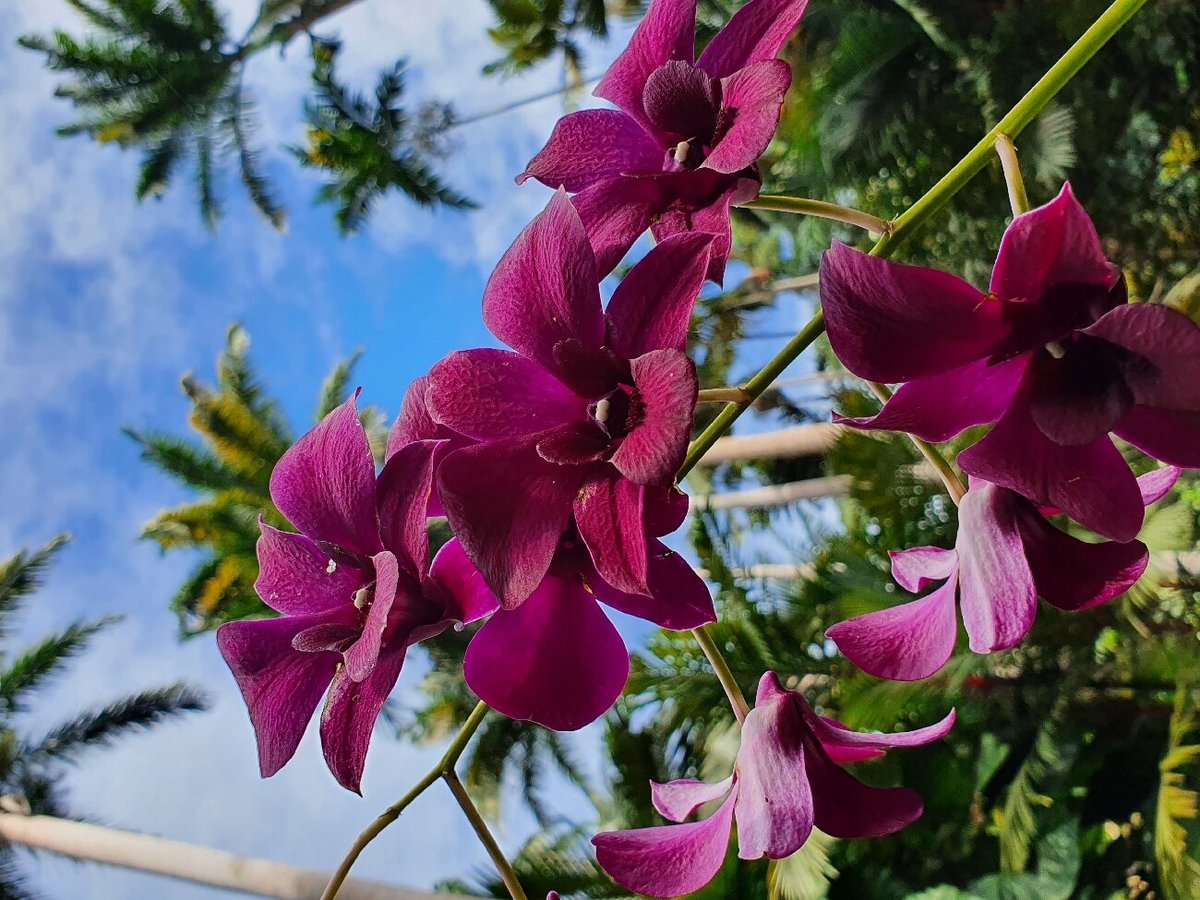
(351, 591)
(589, 414)
(1055, 355)
(557, 659)
(682, 147)
(786, 780)
(1006, 555)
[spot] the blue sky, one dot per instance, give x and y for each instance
(104, 304)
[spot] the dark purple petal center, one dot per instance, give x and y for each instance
(618, 412)
(1053, 317)
(684, 103)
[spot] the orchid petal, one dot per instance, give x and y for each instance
(1165, 371)
(681, 101)
(668, 860)
(773, 808)
(996, 589)
(844, 807)
(1080, 397)
(754, 98)
(651, 308)
(556, 660)
(1169, 436)
(666, 507)
(324, 484)
(544, 289)
(573, 444)
(667, 32)
(467, 596)
(685, 216)
(296, 577)
(835, 734)
(362, 657)
(1157, 484)
(1055, 244)
(281, 685)
(917, 568)
(350, 713)
(608, 512)
(1090, 483)
(677, 598)
(756, 32)
(1075, 575)
(665, 382)
(402, 500)
(593, 145)
(902, 643)
(492, 394)
(676, 800)
(938, 407)
(616, 213)
(892, 322)
(509, 508)
(414, 422)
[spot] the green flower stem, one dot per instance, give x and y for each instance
(445, 766)
(941, 465)
(1014, 122)
(724, 674)
(1026, 110)
(507, 874)
(1007, 151)
(822, 210)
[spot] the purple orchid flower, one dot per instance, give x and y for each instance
(1006, 555)
(682, 148)
(590, 413)
(557, 659)
(351, 589)
(786, 780)
(1054, 354)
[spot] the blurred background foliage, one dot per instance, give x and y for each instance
(1072, 773)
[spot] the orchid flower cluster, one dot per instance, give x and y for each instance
(555, 462)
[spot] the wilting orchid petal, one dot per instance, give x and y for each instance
(784, 784)
(350, 713)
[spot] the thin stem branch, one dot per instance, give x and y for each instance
(1007, 151)
(940, 464)
(446, 764)
(822, 210)
(724, 674)
(507, 873)
(723, 395)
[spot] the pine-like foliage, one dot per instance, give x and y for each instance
(32, 765)
(242, 434)
(371, 147)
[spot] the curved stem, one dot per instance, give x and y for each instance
(1017, 197)
(737, 700)
(446, 764)
(822, 210)
(507, 874)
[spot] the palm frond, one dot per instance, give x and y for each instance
(20, 576)
(99, 728)
(35, 665)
